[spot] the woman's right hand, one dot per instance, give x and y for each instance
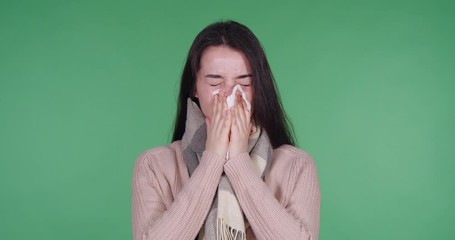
(218, 126)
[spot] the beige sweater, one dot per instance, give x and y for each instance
(168, 204)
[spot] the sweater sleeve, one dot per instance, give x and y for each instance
(183, 218)
(299, 219)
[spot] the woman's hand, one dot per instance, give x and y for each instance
(218, 126)
(240, 127)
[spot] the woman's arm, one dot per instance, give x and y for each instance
(152, 215)
(268, 218)
(151, 219)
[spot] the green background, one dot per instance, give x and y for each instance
(86, 86)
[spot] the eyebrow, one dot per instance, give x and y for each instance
(245, 76)
(213, 76)
(219, 76)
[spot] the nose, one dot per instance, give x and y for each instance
(228, 87)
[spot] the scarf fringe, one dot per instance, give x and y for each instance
(226, 232)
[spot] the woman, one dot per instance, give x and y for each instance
(231, 172)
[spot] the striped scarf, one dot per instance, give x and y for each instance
(225, 219)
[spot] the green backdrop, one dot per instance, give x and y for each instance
(86, 86)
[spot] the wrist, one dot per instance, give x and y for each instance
(236, 153)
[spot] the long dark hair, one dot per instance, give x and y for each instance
(268, 111)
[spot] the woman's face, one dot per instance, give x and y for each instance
(221, 67)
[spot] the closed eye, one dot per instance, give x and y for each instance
(245, 79)
(214, 79)
(245, 76)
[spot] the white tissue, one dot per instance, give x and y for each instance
(231, 98)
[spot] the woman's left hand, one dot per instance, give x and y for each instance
(240, 127)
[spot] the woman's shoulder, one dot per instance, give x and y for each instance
(161, 156)
(291, 156)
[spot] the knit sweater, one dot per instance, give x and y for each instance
(168, 204)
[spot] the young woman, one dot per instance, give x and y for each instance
(232, 171)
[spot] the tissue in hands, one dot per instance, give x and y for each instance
(231, 98)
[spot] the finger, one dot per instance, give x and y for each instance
(228, 118)
(238, 99)
(227, 123)
(225, 112)
(215, 104)
(234, 116)
(220, 105)
(237, 107)
(241, 112)
(225, 107)
(243, 120)
(208, 122)
(244, 106)
(247, 112)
